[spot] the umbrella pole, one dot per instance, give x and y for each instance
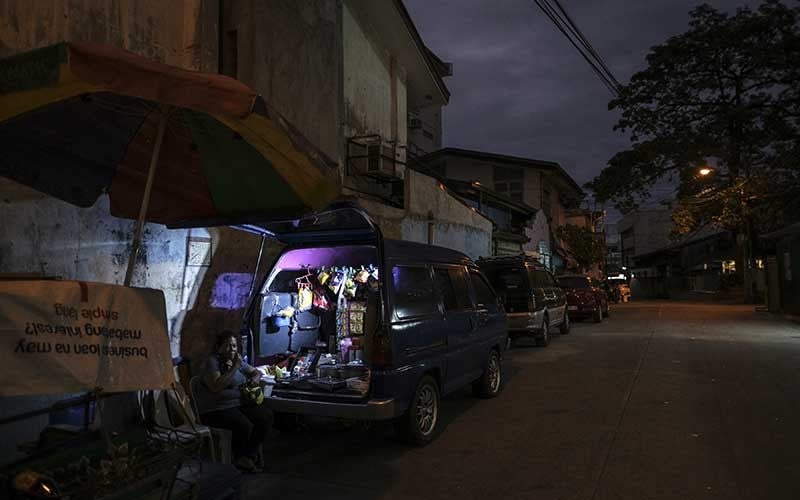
(148, 187)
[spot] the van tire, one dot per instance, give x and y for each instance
(597, 316)
(565, 325)
(491, 382)
(544, 336)
(411, 429)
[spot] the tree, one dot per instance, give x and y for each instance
(585, 246)
(724, 94)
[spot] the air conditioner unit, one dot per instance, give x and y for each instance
(374, 155)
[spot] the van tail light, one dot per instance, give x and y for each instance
(381, 354)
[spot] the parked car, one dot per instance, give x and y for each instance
(387, 328)
(585, 299)
(533, 301)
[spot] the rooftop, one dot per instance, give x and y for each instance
(551, 166)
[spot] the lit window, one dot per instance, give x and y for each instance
(728, 266)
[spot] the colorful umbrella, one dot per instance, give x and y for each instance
(168, 145)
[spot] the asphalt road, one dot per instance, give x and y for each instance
(661, 401)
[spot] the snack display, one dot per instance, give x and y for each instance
(322, 311)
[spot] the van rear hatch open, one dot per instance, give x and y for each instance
(313, 319)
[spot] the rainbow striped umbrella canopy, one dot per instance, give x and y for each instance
(81, 119)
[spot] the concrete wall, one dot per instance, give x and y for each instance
(539, 230)
(291, 52)
(182, 34)
(375, 90)
(455, 225)
(428, 137)
(44, 236)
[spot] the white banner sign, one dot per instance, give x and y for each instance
(70, 336)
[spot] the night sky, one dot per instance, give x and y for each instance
(520, 88)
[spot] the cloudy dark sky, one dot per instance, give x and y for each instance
(520, 88)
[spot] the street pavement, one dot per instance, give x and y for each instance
(663, 400)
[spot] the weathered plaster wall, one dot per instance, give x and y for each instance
(45, 236)
(455, 225)
(181, 32)
(291, 52)
(538, 231)
(368, 75)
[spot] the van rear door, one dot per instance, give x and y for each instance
(338, 224)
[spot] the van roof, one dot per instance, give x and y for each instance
(411, 250)
(509, 259)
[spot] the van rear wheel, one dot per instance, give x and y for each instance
(564, 328)
(544, 336)
(491, 382)
(597, 316)
(418, 425)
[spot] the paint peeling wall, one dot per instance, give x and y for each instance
(290, 52)
(47, 237)
(181, 32)
(455, 225)
(368, 74)
(538, 231)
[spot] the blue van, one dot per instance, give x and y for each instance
(352, 325)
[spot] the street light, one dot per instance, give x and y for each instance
(705, 171)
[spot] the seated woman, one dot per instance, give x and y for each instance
(219, 401)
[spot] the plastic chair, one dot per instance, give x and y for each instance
(222, 452)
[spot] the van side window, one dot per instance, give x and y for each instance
(413, 291)
(452, 286)
(483, 294)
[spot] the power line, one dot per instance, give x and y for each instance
(566, 27)
(586, 42)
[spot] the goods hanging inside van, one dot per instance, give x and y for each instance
(317, 307)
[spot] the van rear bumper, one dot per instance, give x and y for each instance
(521, 323)
(374, 409)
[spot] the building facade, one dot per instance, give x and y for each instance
(541, 185)
(643, 231)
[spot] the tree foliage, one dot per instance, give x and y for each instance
(726, 93)
(584, 245)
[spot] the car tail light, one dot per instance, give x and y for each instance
(381, 354)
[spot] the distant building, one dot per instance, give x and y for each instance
(594, 221)
(510, 218)
(613, 253)
(643, 231)
(701, 261)
(542, 185)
